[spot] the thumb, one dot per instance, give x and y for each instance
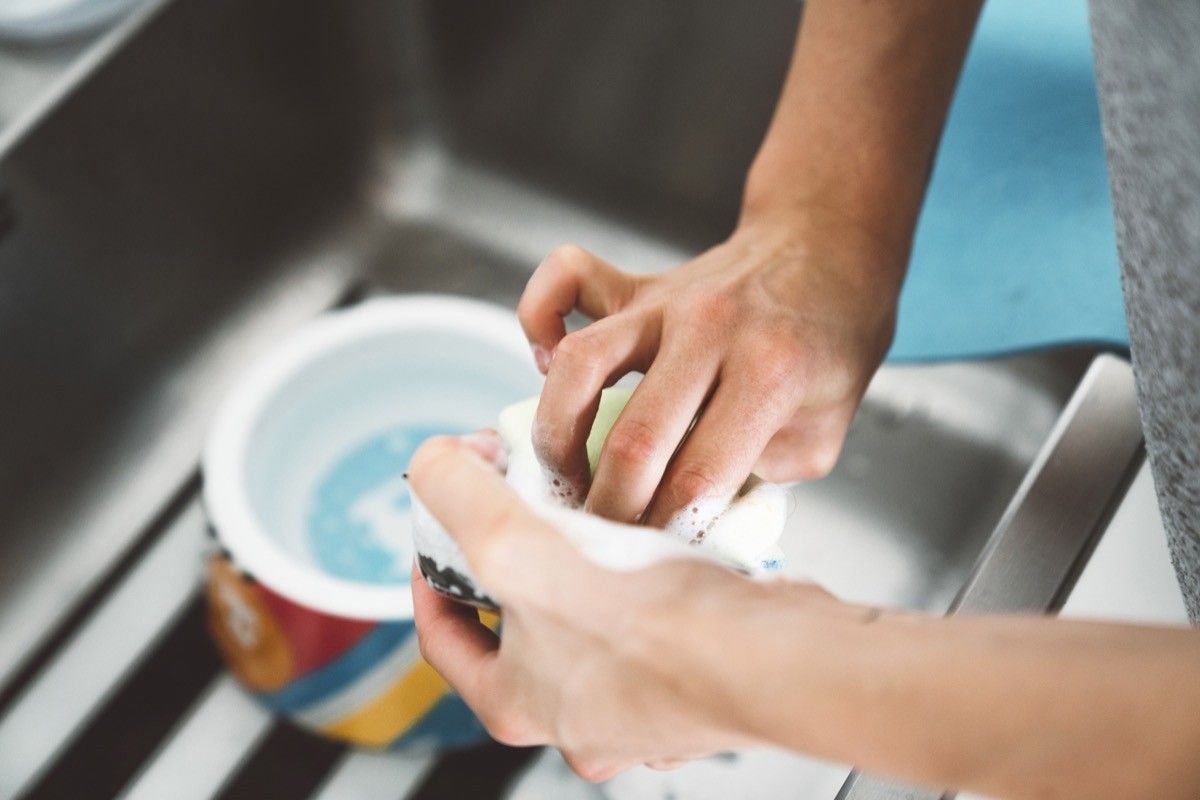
(511, 550)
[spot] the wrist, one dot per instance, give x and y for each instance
(864, 259)
(820, 657)
(755, 665)
(883, 219)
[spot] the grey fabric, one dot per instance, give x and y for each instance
(1148, 74)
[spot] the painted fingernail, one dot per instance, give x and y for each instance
(541, 357)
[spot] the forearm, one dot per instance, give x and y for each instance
(1009, 706)
(861, 112)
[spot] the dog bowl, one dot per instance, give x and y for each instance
(309, 593)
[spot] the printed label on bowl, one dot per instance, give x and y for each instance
(358, 519)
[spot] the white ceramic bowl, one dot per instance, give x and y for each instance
(308, 434)
(47, 20)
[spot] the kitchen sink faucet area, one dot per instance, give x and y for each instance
(966, 365)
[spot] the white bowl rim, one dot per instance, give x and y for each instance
(226, 500)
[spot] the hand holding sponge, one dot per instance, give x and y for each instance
(741, 532)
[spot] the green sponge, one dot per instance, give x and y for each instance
(516, 422)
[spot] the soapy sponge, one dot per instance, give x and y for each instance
(741, 531)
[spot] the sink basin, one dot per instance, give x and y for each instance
(234, 168)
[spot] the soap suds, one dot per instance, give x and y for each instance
(740, 530)
(538, 485)
(693, 522)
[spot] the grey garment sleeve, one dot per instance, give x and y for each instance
(1148, 75)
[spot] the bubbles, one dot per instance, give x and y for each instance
(538, 485)
(692, 523)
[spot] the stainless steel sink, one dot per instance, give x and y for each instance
(233, 169)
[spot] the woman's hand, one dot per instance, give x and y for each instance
(615, 669)
(770, 337)
(682, 659)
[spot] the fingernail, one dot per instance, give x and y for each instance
(488, 445)
(541, 357)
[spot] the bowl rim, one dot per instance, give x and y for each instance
(223, 462)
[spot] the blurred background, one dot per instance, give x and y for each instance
(183, 181)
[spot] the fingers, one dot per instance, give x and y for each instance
(488, 445)
(585, 362)
(807, 448)
(593, 770)
(453, 641)
(645, 436)
(511, 550)
(569, 278)
(721, 450)
(464, 652)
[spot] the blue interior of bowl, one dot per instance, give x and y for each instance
(325, 459)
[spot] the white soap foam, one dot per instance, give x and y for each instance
(538, 485)
(740, 530)
(692, 523)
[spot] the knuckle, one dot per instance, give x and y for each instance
(691, 482)
(778, 365)
(565, 263)
(818, 462)
(632, 443)
(509, 727)
(568, 258)
(715, 309)
(590, 769)
(846, 379)
(582, 350)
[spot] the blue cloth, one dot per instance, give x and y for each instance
(1015, 247)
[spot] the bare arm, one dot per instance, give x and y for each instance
(861, 113)
(771, 336)
(681, 660)
(686, 659)
(1014, 707)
